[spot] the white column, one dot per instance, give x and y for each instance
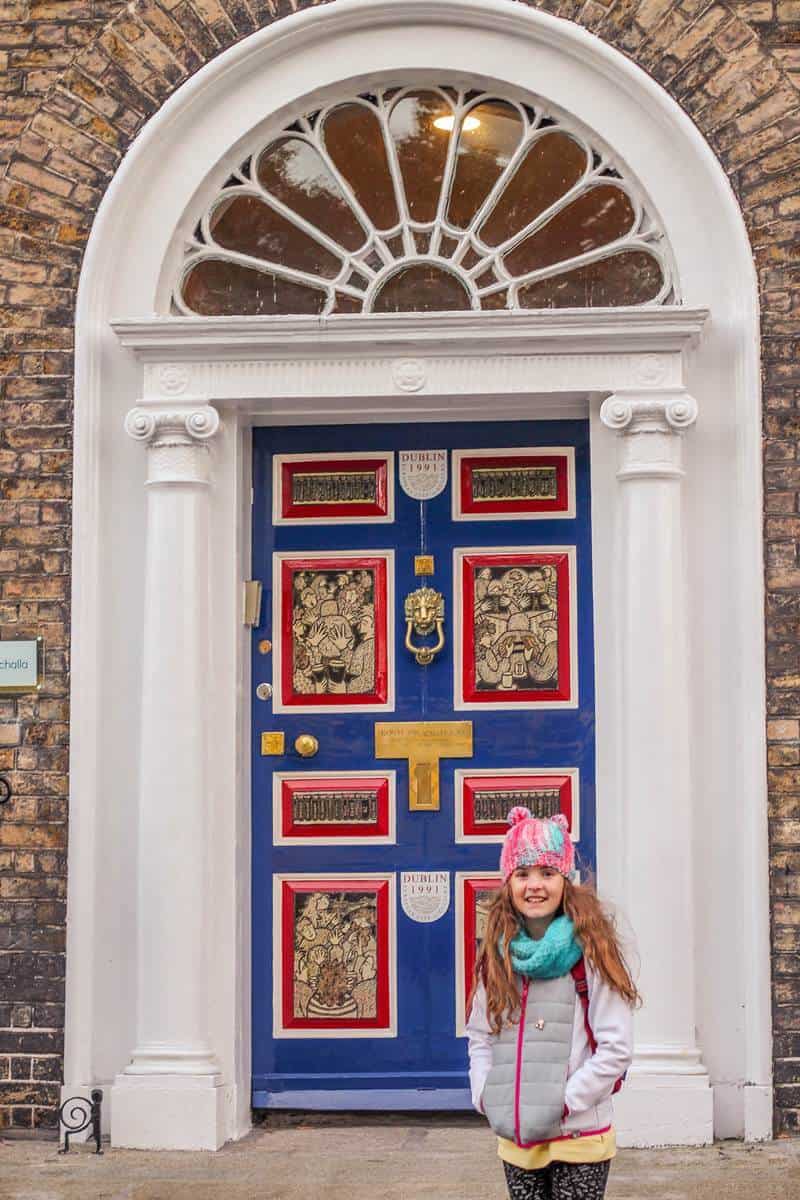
(170, 1095)
(667, 1099)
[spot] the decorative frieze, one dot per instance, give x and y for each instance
(334, 375)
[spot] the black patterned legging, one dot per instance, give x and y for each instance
(559, 1181)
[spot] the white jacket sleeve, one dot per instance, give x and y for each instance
(479, 1034)
(611, 1019)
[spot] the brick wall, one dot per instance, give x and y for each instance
(80, 79)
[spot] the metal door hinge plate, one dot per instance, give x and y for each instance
(251, 606)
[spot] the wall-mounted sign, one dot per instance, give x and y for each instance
(423, 473)
(425, 895)
(21, 666)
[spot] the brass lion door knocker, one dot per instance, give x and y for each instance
(424, 610)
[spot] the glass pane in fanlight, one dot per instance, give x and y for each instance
(294, 173)
(484, 151)
(354, 140)
(550, 167)
(597, 217)
(494, 301)
(423, 287)
(630, 277)
(421, 149)
(347, 304)
(215, 288)
(246, 224)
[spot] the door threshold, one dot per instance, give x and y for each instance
(363, 1100)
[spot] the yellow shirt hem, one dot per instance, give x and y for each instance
(596, 1148)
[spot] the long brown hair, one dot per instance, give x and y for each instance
(595, 929)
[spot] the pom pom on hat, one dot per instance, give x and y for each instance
(537, 842)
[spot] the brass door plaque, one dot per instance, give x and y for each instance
(423, 743)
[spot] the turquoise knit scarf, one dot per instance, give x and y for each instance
(548, 957)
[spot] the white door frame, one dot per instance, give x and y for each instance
(188, 1085)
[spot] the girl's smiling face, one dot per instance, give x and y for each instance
(536, 893)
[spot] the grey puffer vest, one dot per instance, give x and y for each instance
(524, 1093)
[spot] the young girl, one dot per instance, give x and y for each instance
(550, 1026)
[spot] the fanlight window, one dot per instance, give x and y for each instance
(424, 200)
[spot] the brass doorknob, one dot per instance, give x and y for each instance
(306, 745)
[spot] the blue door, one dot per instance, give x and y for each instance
(384, 762)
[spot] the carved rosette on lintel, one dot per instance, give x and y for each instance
(651, 424)
(177, 437)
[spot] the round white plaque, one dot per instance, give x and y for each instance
(423, 473)
(425, 895)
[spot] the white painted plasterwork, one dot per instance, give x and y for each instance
(306, 372)
(569, 351)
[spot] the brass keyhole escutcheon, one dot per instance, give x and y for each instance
(306, 745)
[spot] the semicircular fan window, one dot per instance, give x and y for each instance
(424, 200)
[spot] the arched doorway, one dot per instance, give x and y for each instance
(404, 368)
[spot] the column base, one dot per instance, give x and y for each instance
(758, 1116)
(664, 1110)
(168, 1112)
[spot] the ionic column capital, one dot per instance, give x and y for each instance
(177, 437)
(670, 411)
(650, 425)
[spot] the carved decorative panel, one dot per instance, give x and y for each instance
(333, 807)
(515, 637)
(474, 894)
(334, 615)
(515, 484)
(485, 797)
(335, 947)
(333, 489)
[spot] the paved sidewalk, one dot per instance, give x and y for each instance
(407, 1158)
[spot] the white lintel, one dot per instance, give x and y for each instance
(244, 359)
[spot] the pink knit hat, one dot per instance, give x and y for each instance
(537, 842)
